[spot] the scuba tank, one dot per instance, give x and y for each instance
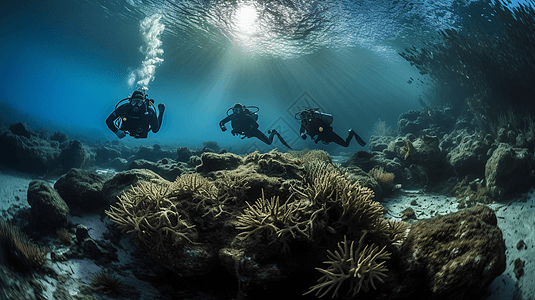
(325, 117)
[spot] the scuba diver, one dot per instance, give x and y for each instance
(318, 124)
(243, 122)
(135, 116)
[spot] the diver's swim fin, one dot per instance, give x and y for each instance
(358, 138)
(280, 138)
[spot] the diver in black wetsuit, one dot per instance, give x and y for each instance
(243, 122)
(318, 124)
(136, 117)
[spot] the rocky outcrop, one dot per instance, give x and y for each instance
(76, 155)
(81, 189)
(124, 180)
(24, 150)
(153, 153)
(214, 162)
(509, 169)
(431, 121)
(48, 210)
(455, 256)
(468, 153)
(167, 168)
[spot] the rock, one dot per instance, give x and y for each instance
(81, 189)
(457, 256)
(415, 176)
(380, 143)
(153, 153)
(21, 129)
(48, 210)
(469, 155)
(117, 164)
(59, 136)
(76, 155)
(214, 162)
(28, 154)
(509, 170)
(167, 168)
(427, 151)
(105, 154)
(183, 154)
(188, 260)
(124, 180)
(429, 121)
(259, 273)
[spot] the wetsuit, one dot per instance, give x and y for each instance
(313, 123)
(245, 124)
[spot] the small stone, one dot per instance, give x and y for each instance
(519, 268)
(521, 245)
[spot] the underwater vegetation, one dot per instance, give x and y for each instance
(107, 283)
(488, 67)
(302, 208)
(18, 250)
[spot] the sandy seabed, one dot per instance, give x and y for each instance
(516, 219)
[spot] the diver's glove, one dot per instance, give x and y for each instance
(120, 134)
(161, 107)
(223, 128)
(303, 136)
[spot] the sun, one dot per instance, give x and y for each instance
(246, 19)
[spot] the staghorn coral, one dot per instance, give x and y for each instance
(150, 211)
(329, 203)
(361, 267)
(351, 205)
(270, 220)
(394, 231)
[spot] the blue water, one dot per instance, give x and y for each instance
(65, 64)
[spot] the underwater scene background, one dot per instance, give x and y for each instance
(67, 63)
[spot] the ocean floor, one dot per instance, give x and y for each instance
(516, 219)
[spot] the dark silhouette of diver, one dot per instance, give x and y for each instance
(318, 124)
(135, 116)
(243, 122)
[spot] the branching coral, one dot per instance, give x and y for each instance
(360, 267)
(351, 205)
(151, 212)
(394, 231)
(268, 219)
